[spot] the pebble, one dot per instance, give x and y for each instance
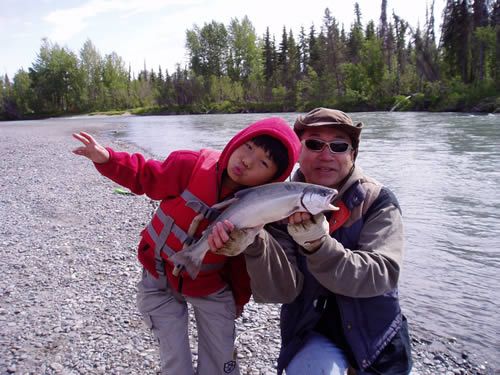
(69, 271)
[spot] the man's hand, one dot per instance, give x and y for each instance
(90, 149)
(308, 231)
(228, 240)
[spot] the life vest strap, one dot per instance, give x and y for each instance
(194, 203)
(169, 226)
(160, 242)
(168, 223)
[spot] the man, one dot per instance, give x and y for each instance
(336, 273)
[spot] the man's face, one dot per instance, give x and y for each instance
(324, 167)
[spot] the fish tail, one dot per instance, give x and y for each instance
(189, 260)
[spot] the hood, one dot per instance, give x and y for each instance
(275, 127)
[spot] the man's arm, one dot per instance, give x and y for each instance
(370, 270)
(271, 264)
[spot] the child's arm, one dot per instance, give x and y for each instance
(90, 149)
(156, 179)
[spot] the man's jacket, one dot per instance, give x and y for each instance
(356, 269)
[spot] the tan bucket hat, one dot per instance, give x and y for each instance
(329, 117)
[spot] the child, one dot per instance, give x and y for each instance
(188, 183)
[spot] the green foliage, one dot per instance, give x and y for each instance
(366, 67)
(56, 79)
(223, 89)
(279, 93)
(402, 103)
(22, 93)
(355, 78)
(352, 100)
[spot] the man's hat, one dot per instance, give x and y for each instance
(329, 117)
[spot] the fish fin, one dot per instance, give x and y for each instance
(241, 193)
(224, 204)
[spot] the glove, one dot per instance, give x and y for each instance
(310, 234)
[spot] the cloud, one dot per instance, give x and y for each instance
(67, 23)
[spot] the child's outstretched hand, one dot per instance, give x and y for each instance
(90, 149)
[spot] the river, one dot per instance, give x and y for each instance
(445, 170)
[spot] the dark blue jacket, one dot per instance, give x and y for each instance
(366, 325)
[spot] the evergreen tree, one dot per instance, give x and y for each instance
(455, 39)
(303, 51)
(268, 55)
(479, 20)
(356, 37)
(496, 60)
(334, 51)
(314, 50)
(283, 60)
(386, 35)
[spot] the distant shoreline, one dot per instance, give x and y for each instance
(485, 106)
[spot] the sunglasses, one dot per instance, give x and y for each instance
(317, 145)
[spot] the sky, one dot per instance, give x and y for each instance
(152, 33)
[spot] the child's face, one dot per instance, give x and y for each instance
(250, 165)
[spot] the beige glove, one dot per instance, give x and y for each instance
(310, 234)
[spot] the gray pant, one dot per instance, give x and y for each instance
(168, 319)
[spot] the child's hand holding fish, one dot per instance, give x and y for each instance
(227, 239)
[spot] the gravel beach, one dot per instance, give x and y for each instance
(69, 271)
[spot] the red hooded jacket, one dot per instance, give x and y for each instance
(201, 172)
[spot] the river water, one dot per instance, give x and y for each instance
(444, 169)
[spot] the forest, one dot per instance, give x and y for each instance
(380, 65)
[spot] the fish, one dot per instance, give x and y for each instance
(252, 208)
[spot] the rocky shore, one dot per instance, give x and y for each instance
(69, 271)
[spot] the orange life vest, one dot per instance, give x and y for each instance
(167, 231)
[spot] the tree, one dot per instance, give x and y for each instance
(334, 51)
(455, 39)
(496, 60)
(115, 82)
(283, 59)
(56, 79)
(22, 93)
(356, 37)
(314, 50)
(208, 49)
(479, 46)
(91, 66)
(243, 49)
(303, 51)
(268, 54)
(386, 35)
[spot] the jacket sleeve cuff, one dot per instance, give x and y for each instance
(327, 246)
(101, 167)
(256, 248)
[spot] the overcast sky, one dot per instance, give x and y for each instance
(152, 32)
